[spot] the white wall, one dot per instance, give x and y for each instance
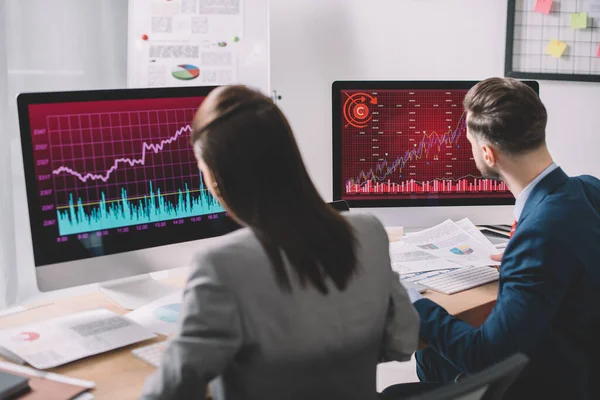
(47, 46)
(315, 42)
(7, 238)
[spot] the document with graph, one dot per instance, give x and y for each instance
(58, 341)
(160, 316)
(409, 259)
(451, 242)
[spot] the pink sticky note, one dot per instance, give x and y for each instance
(598, 54)
(543, 6)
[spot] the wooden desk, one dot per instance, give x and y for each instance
(119, 375)
(472, 306)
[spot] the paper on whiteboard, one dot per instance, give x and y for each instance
(177, 27)
(449, 241)
(58, 341)
(165, 8)
(189, 43)
(160, 316)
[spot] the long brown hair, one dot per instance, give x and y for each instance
(247, 143)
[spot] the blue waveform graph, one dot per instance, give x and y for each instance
(78, 217)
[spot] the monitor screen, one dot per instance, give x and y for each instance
(404, 144)
(113, 171)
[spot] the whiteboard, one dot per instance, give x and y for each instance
(570, 28)
(198, 43)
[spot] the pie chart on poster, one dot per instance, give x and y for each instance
(185, 72)
(168, 313)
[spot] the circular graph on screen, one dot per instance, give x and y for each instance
(168, 313)
(356, 109)
(185, 72)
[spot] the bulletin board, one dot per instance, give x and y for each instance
(553, 40)
(199, 43)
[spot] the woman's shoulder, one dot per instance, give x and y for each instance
(217, 255)
(227, 245)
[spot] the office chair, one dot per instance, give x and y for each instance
(490, 384)
(340, 205)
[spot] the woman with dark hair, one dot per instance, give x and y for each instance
(299, 304)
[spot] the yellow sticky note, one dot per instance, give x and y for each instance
(556, 48)
(579, 20)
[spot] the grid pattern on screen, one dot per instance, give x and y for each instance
(103, 153)
(533, 31)
(408, 135)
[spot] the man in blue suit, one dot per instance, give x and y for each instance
(548, 303)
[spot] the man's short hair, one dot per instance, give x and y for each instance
(508, 114)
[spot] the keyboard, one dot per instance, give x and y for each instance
(461, 279)
(151, 354)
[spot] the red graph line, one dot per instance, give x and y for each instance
(142, 160)
(425, 145)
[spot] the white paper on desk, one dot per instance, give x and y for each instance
(419, 276)
(58, 341)
(449, 241)
(409, 259)
(472, 230)
(160, 316)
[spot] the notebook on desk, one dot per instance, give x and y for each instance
(12, 385)
(46, 386)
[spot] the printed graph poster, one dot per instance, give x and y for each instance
(186, 42)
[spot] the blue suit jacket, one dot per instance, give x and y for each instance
(548, 303)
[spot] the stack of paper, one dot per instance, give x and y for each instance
(440, 249)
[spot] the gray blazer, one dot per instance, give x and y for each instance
(251, 340)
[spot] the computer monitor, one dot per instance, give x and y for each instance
(113, 187)
(403, 144)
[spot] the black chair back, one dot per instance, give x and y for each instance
(490, 384)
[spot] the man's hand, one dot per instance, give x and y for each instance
(497, 257)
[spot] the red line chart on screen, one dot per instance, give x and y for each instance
(409, 144)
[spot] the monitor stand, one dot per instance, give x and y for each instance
(137, 291)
